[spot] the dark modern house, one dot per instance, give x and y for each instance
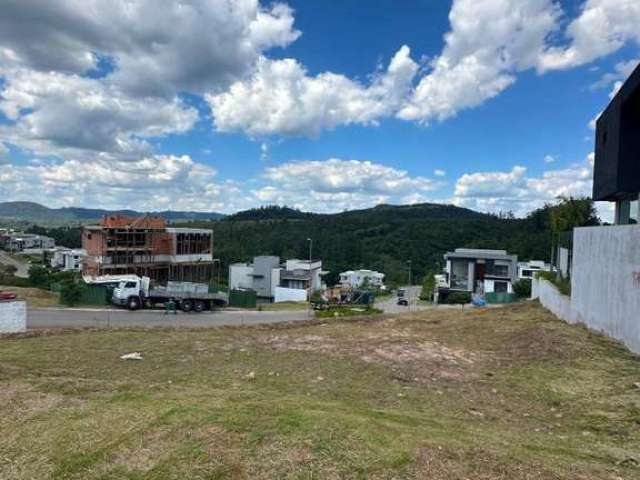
(617, 155)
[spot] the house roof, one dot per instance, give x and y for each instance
(481, 253)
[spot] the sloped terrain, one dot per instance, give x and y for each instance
(508, 393)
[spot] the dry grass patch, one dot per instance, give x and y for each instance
(506, 393)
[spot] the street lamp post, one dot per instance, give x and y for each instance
(409, 288)
(310, 240)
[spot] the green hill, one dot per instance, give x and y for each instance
(39, 214)
(381, 238)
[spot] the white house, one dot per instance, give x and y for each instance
(481, 271)
(292, 280)
(356, 278)
(262, 275)
(29, 241)
(527, 269)
(67, 258)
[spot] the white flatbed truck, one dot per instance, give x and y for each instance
(135, 293)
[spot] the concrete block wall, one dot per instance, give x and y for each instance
(13, 316)
(605, 281)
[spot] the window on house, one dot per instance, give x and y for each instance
(501, 270)
(634, 211)
(526, 273)
(500, 287)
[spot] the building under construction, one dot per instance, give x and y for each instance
(145, 246)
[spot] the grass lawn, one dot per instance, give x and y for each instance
(269, 307)
(35, 297)
(508, 393)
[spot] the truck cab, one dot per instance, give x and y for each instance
(131, 292)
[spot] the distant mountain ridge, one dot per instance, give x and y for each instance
(34, 212)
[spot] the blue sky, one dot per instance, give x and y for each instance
(326, 106)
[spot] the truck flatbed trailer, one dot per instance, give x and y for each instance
(134, 293)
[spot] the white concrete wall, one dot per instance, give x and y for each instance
(553, 300)
(240, 276)
(605, 281)
(13, 316)
(290, 295)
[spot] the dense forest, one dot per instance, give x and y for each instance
(382, 238)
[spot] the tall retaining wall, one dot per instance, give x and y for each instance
(605, 283)
(13, 316)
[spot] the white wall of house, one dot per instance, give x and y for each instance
(67, 259)
(490, 285)
(526, 270)
(13, 316)
(240, 276)
(355, 278)
(289, 295)
(294, 264)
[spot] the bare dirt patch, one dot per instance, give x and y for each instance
(395, 348)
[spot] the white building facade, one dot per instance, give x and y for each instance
(271, 279)
(67, 258)
(481, 271)
(356, 278)
(526, 270)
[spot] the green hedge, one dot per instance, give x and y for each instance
(562, 284)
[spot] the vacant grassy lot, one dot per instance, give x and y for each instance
(504, 393)
(35, 297)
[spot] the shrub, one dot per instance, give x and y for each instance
(11, 281)
(522, 288)
(71, 292)
(428, 286)
(562, 284)
(39, 276)
(458, 298)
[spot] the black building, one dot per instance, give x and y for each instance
(617, 161)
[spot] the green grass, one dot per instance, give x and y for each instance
(348, 311)
(506, 393)
(35, 297)
(280, 306)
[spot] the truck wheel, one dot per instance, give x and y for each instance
(186, 305)
(198, 306)
(133, 303)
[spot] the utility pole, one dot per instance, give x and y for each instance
(409, 263)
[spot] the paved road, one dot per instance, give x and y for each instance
(390, 304)
(69, 318)
(22, 268)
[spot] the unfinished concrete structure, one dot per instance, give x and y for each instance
(145, 246)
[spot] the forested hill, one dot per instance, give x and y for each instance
(39, 214)
(381, 238)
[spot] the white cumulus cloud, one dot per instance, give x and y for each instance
(602, 27)
(335, 184)
(281, 98)
(489, 42)
(515, 191)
